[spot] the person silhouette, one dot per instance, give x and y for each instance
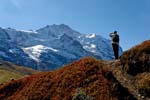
(115, 43)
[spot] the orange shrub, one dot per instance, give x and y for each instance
(89, 74)
(137, 59)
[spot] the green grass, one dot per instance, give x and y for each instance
(9, 71)
(6, 75)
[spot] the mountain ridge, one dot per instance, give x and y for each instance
(70, 45)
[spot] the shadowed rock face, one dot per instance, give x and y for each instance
(4, 35)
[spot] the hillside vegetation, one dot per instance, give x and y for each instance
(9, 71)
(136, 62)
(137, 59)
(88, 75)
(127, 78)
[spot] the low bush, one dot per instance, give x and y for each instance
(81, 95)
(137, 59)
(144, 85)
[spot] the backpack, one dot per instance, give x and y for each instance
(116, 38)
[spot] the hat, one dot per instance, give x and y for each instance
(115, 31)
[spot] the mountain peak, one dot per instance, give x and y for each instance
(55, 30)
(58, 30)
(55, 26)
(71, 45)
(61, 25)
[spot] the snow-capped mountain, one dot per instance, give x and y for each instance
(51, 46)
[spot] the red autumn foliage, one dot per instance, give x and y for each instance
(137, 59)
(88, 74)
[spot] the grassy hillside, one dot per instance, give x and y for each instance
(87, 78)
(9, 71)
(6, 76)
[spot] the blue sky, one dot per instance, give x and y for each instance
(131, 18)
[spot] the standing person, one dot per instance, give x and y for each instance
(115, 43)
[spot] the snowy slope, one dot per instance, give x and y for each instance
(36, 51)
(52, 46)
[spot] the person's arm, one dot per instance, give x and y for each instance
(111, 34)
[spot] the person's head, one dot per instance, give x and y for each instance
(115, 32)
